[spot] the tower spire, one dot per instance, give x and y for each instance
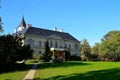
(22, 23)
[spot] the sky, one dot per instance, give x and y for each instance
(84, 19)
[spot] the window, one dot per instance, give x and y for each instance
(39, 52)
(56, 45)
(65, 45)
(30, 42)
(20, 34)
(76, 46)
(60, 46)
(44, 43)
(39, 43)
(51, 45)
(27, 42)
(69, 46)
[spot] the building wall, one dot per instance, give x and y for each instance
(38, 44)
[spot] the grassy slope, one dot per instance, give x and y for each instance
(18, 74)
(79, 71)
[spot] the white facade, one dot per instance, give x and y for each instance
(38, 44)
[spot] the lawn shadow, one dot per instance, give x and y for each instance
(16, 67)
(110, 74)
(63, 64)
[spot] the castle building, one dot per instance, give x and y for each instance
(57, 40)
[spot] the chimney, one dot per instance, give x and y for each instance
(55, 28)
(29, 25)
(61, 30)
(20, 28)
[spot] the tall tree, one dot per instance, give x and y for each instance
(85, 50)
(1, 28)
(95, 49)
(110, 46)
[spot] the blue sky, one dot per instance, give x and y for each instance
(90, 19)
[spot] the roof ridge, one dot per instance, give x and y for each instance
(50, 30)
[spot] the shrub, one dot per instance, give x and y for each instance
(75, 58)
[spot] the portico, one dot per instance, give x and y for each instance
(58, 53)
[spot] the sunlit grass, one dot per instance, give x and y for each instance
(78, 71)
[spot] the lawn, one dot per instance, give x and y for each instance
(76, 70)
(17, 73)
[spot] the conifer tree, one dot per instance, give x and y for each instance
(85, 50)
(1, 28)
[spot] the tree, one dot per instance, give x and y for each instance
(95, 51)
(12, 50)
(47, 55)
(85, 50)
(110, 46)
(1, 28)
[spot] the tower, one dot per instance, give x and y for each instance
(22, 24)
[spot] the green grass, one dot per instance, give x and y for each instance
(17, 73)
(77, 70)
